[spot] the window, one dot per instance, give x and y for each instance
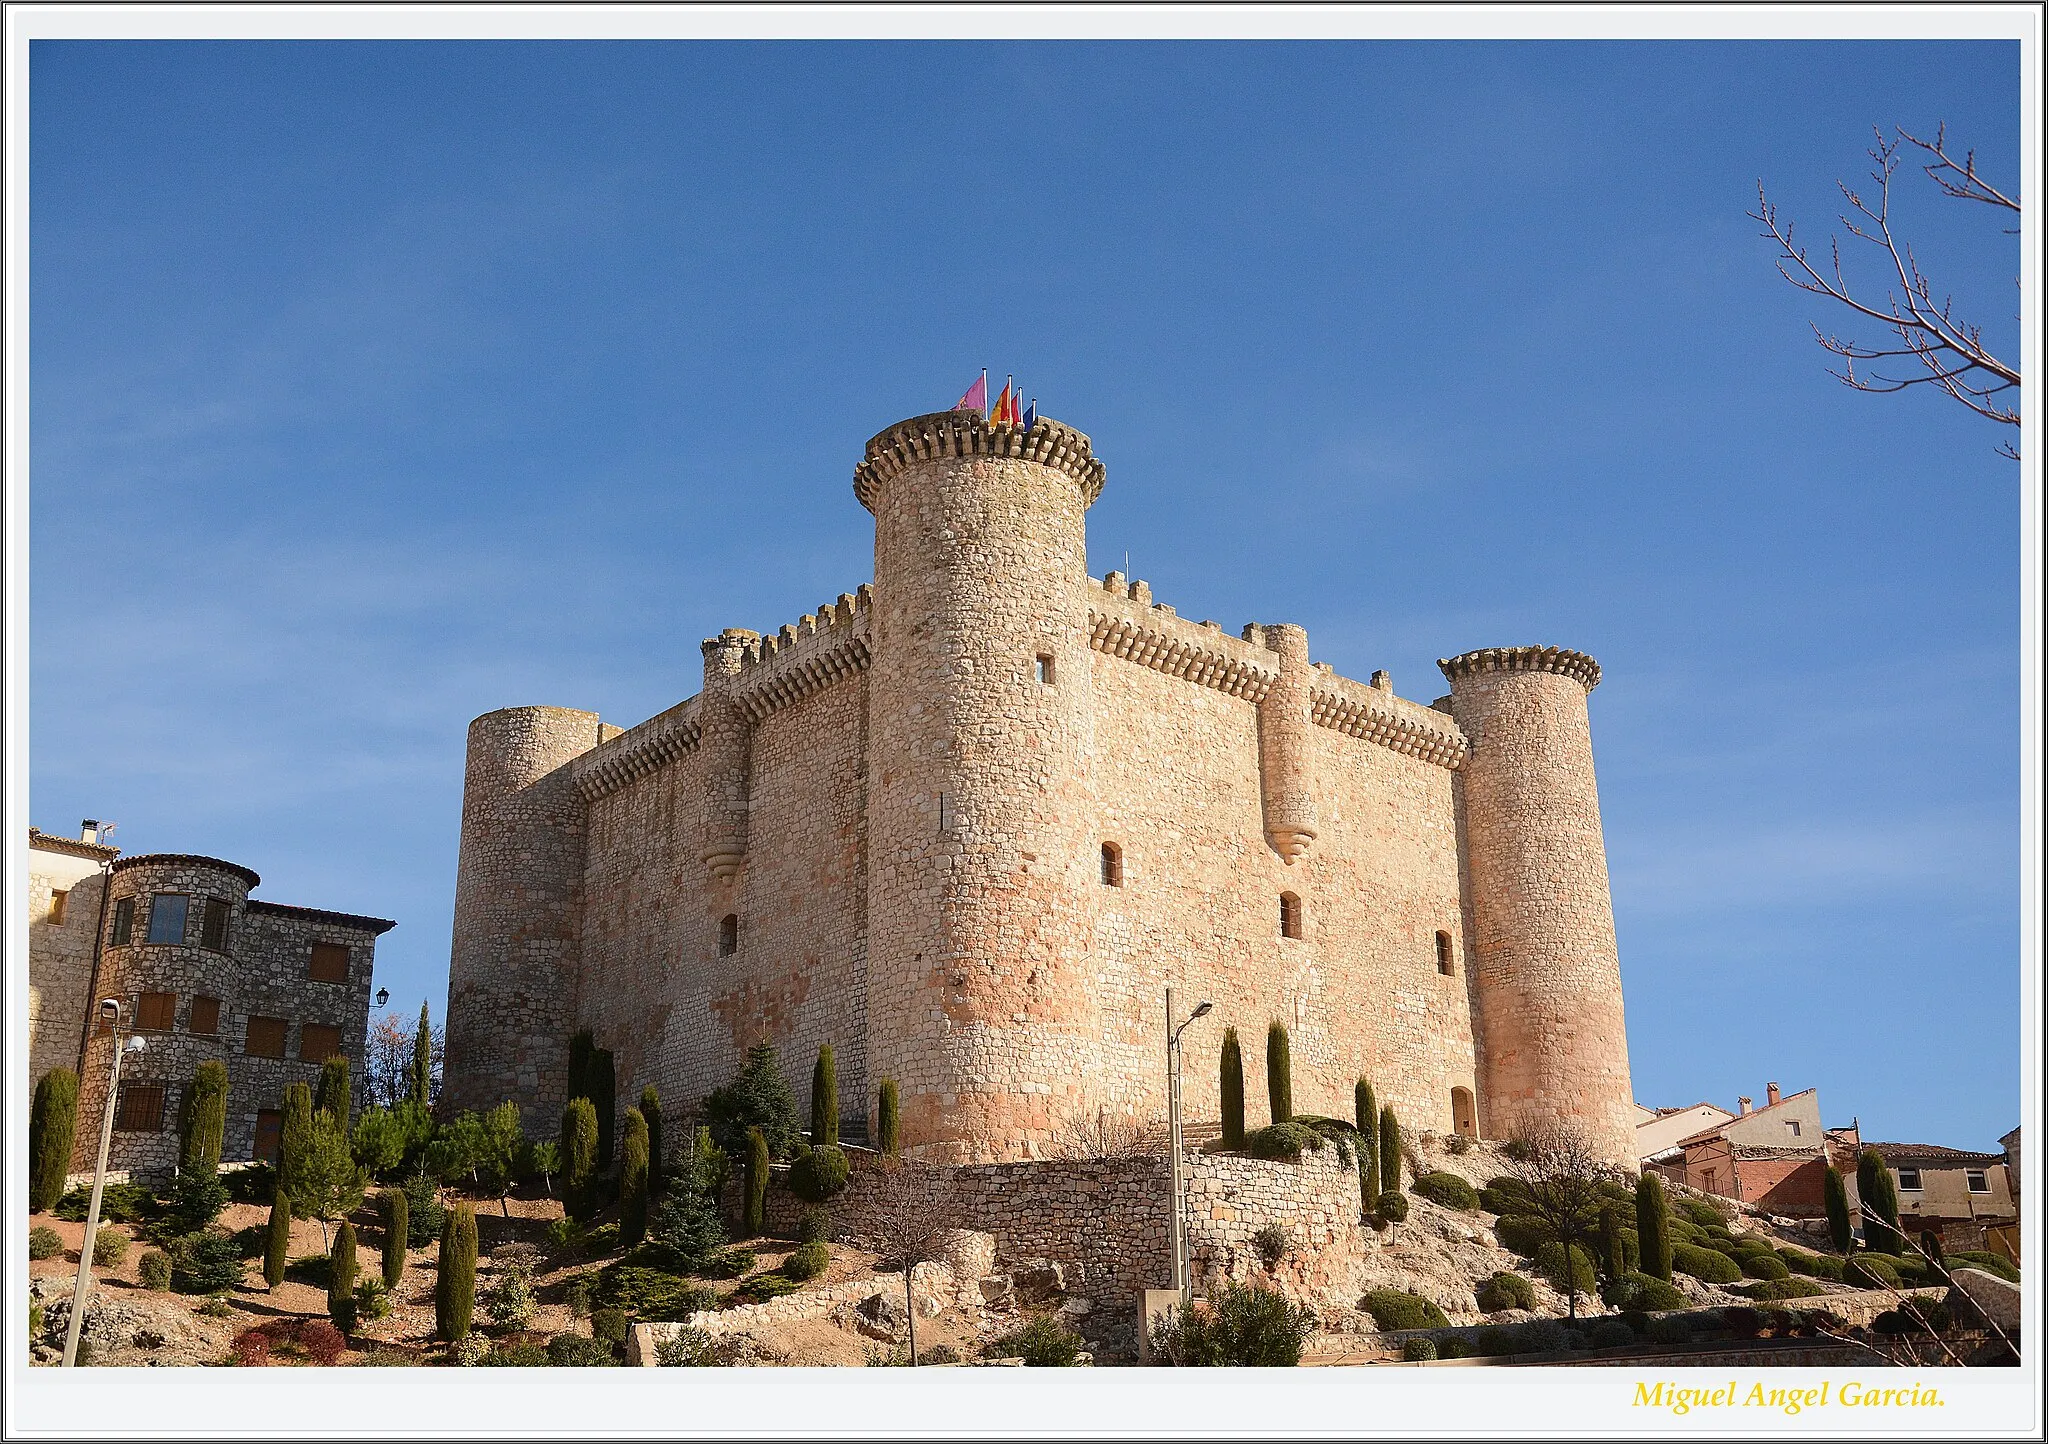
(141, 1109)
(1792, 1126)
(1443, 955)
(124, 921)
(728, 935)
(318, 1042)
(1044, 668)
(1977, 1181)
(1707, 1181)
(205, 1016)
(1290, 915)
(269, 1129)
(1112, 865)
(1909, 1180)
(57, 901)
(330, 963)
(266, 1038)
(213, 928)
(156, 1012)
(167, 917)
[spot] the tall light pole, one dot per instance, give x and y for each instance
(1177, 1236)
(110, 1010)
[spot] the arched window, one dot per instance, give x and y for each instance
(728, 935)
(1464, 1121)
(1444, 962)
(1290, 915)
(1112, 865)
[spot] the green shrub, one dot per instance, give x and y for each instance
(1271, 1243)
(1912, 1270)
(825, 1099)
(380, 1357)
(577, 1351)
(577, 1294)
(455, 1275)
(1545, 1336)
(579, 1159)
(763, 1287)
(1551, 1263)
(1505, 1291)
(1610, 1334)
(1829, 1267)
(1702, 1213)
(1923, 1313)
(109, 1247)
(1230, 1084)
(373, 1300)
(1389, 1152)
(1279, 1072)
(728, 1263)
(807, 1262)
(1418, 1350)
(887, 1118)
(1393, 1207)
(1447, 1189)
(1771, 1290)
(196, 1199)
(249, 1241)
(424, 1214)
(1245, 1326)
(610, 1327)
(523, 1355)
(757, 1097)
(1522, 1233)
(687, 1229)
(1653, 1227)
(814, 1226)
(1705, 1264)
(341, 1278)
(1395, 1309)
(688, 1349)
(1042, 1342)
(1283, 1140)
(820, 1174)
(1990, 1262)
(205, 1263)
(1642, 1291)
(52, 1125)
(755, 1217)
(119, 1203)
(394, 1210)
(44, 1242)
(216, 1307)
(1762, 1265)
(155, 1270)
(604, 1098)
(1672, 1329)
(1503, 1195)
(1870, 1271)
(652, 1295)
(1495, 1342)
(633, 1167)
(1879, 1194)
(1835, 1193)
(277, 1241)
(1453, 1346)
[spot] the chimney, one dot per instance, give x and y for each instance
(1743, 1104)
(89, 830)
(1771, 1092)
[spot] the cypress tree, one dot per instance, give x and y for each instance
(295, 1143)
(1653, 1227)
(756, 1218)
(1366, 1112)
(203, 1119)
(582, 1048)
(455, 1274)
(579, 1159)
(341, 1277)
(1390, 1151)
(1364, 1115)
(633, 1180)
(1279, 1073)
(277, 1241)
(397, 1220)
(423, 1060)
(1610, 1242)
(52, 1121)
(604, 1096)
(1880, 1196)
(332, 1098)
(650, 1109)
(1231, 1088)
(887, 1134)
(1836, 1194)
(824, 1099)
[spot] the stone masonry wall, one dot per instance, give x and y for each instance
(60, 958)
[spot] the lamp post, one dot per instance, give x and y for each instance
(1177, 1235)
(110, 1010)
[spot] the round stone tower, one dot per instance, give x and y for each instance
(1546, 973)
(980, 1002)
(518, 900)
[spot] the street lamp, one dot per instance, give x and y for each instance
(1178, 1233)
(383, 996)
(110, 1011)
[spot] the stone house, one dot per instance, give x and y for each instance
(202, 971)
(1953, 1193)
(1774, 1157)
(1659, 1130)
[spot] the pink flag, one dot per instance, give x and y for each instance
(976, 398)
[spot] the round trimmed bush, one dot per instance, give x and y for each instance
(44, 1242)
(109, 1247)
(1984, 1259)
(1703, 1213)
(1505, 1291)
(1521, 1233)
(1550, 1262)
(1545, 1336)
(1869, 1271)
(155, 1270)
(1705, 1264)
(1455, 1346)
(1771, 1290)
(1283, 1140)
(814, 1227)
(1393, 1207)
(1447, 1189)
(1643, 1291)
(807, 1262)
(1419, 1350)
(1503, 1194)
(1671, 1329)
(1395, 1309)
(819, 1174)
(1763, 1265)
(1610, 1334)
(1495, 1342)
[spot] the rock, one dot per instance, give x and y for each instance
(997, 1292)
(1078, 1308)
(1038, 1280)
(970, 1255)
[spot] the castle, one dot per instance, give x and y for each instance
(968, 824)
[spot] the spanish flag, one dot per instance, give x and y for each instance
(1005, 405)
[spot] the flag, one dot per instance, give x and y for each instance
(1031, 414)
(1003, 403)
(976, 398)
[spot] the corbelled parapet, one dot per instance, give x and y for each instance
(1561, 660)
(964, 433)
(813, 652)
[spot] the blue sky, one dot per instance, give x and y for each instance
(378, 386)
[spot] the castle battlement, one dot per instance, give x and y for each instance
(1374, 714)
(1124, 622)
(1561, 660)
(941, 434)
(818, 649)
(637, 751)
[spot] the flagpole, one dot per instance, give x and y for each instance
(984, 396)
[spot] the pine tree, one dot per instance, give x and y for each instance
(888, 1135)
(650, 1109)
(824, 1099)
(332, 1096)
(604, 1096)
(756, 1219)
(277, 1241)
(203, 1119)
(1279, 1072)
(1880, 1196)
(455, 1274)
(330, 1183)
(52, 1122)
(633, 1179)
(397, 1219)
(1390, 1151)
(757, 1097)
(1653, 1227)
(1230, 1088)
(1835, 1193)
(423, 1061)
(579, 1159)
(295, 1138)
(341, 1278)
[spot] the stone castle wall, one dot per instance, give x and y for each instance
(60, 981)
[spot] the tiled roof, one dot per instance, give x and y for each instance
(72, 846)
(1911, 1153)
(321, 915)
(1704, 1134)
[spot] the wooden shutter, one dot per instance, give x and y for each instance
(205, 1016)
(156, 1012)
(330, 963)
(318, 1042)
(269, 1125)
(266, 1037)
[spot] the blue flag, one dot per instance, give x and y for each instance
(1031, 414)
